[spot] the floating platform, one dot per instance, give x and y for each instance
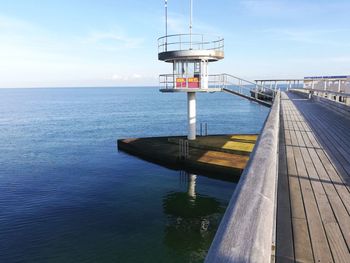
(219, 156)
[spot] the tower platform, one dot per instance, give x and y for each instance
(191, 90)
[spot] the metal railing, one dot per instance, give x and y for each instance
(180, 42)
(243, 88)
(339, 97)
(336, 89)
(167, 81)
(227, 83)
(184, 149)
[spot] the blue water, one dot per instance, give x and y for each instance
(68, 195)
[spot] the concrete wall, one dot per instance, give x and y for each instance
(246, 230)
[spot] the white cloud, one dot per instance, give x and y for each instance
(136, 76)
(113, 40)
(30, 55)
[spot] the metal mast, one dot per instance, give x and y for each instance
(191, 15)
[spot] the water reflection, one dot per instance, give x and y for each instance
(192, 219)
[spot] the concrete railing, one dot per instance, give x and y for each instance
(246, 231)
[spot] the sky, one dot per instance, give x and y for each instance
(88, 43)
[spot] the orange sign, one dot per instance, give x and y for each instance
(180, 82)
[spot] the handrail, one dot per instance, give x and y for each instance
(344, 94)
(341, 98)
(228, 83)
(260, 89)
(180, 42)
(245, 233)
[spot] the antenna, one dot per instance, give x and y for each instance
(191, 15)
(166, 25)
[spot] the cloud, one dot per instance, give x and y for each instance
(126, 77)
(113, 41)
(33, 55)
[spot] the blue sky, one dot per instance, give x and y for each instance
(114, 43)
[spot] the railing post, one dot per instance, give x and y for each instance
(347, 101)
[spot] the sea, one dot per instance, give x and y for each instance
(68, 195)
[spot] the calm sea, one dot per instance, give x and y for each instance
(68, 195)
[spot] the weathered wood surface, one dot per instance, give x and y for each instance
(313, 204)
(245, 232)
(340, 108)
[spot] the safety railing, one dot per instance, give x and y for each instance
(338, 97)
(170, 81)
(336, 89)
(243, 88)
(167, 81)
(246, 231)
(180, 42)
(248, 88)
(227, 83)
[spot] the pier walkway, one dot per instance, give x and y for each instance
(313, 196)
(292, 203)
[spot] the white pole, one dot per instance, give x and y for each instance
(192, 185)
(191, 115)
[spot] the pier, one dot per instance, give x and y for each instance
(292, 203)
(219, 156)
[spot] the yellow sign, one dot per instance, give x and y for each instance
(193, 80)
(180, 80)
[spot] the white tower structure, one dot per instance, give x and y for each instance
(189, 55)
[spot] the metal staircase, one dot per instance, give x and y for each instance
(243, 88)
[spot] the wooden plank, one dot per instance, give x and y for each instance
(302, 243)
(300, 139)
(307, 140)
(318, 237)
(284, 231)
(324, 135)
(293, 138)
(335, 135)
(338, 159)
(338, 183)
(300, 126)
(306, 126)
(330, 188)
(313, 139)
(324, 193)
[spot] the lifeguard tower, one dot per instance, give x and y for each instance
(190, 55)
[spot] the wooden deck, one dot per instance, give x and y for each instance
(313, 204)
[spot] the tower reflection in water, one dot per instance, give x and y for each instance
(192, 218)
